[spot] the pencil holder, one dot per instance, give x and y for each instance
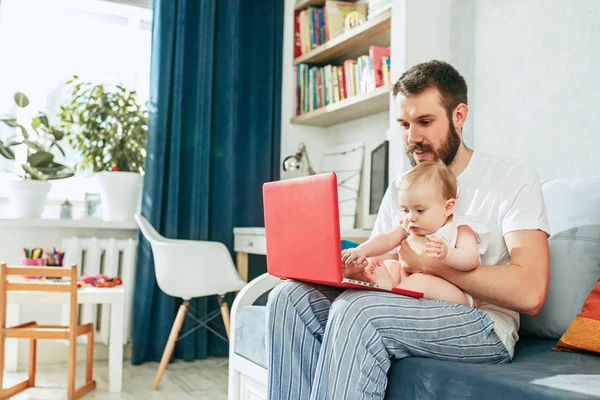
(37, 262)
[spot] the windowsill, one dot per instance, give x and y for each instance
(66, 223)
(51, 218)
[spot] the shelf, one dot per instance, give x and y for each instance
(351, 45)
(348, 109)
(302, 4)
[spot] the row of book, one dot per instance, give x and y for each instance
(314, 26)
(377, 7)
(318, 86)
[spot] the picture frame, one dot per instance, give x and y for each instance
(92, 206)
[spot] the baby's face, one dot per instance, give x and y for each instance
(423, 208)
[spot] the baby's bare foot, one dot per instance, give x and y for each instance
(378, 273)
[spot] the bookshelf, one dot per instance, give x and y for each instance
(348, 109)
(375, 32)
(351, 45)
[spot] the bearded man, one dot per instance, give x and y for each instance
(330, 343)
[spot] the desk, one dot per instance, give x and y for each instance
(89, 295)
(16, 234)
(252, 241)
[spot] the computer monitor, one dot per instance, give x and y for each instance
(379, 176)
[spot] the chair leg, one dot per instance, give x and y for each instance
(171, 343)
(32, 361)
(2, 340)
(89, 362)
(71, 360)
(224, 313)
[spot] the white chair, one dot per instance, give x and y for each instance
(188, 269)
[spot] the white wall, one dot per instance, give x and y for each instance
(536, 93)
(372, 131)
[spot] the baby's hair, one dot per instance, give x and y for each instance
(434, 171)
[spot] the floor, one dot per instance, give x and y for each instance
(202, 380)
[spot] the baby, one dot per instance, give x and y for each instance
(427, 197)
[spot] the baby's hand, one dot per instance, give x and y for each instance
(436, 248)
(354, 257)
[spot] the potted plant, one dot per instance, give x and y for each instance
(108, 127)
(28, 194)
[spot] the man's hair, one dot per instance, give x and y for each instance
(432, 171)
(434, 74)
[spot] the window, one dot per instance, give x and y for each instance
(43, 43)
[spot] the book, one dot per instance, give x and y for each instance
(386, 71)
(297, 39)
(376, 54)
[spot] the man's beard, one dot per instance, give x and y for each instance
(446, 153)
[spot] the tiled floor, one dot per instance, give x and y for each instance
(202, 380)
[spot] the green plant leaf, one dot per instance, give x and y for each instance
(65, 173)
(52, 169)
(40, 159)
(21, 100)
(54, 144)
(35, 122)
(58, 135)
(43, 119)
(34, 145)
(12, 122)
(6, 152)
(34, 173)
(24, 132)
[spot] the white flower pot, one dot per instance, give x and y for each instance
(27, 198)
(121, 195)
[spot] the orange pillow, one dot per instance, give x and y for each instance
(583, 333)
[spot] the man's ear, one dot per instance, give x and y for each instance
(459, 116)
(450, 204)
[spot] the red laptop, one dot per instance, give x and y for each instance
(302, 231)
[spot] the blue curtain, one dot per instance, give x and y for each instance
(213, 140)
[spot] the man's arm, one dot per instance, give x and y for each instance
(521, 286)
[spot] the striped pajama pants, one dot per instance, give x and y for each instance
(328, 343)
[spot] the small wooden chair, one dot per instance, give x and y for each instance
(33, 331)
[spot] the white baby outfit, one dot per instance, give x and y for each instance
(449, 233)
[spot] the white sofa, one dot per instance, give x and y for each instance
(575, 255)
(247, 360)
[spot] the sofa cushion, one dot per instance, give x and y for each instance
(250, 338)
(583, 334)
(574, 268)
(421, 378)
(572, 202)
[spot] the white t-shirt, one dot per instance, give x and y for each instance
(505, 195)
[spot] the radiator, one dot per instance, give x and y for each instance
(110, 257)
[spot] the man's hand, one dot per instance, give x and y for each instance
(436, 248)
(411, 261)
(356, 256)
(412, 254)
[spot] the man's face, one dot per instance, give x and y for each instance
(426, 130)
